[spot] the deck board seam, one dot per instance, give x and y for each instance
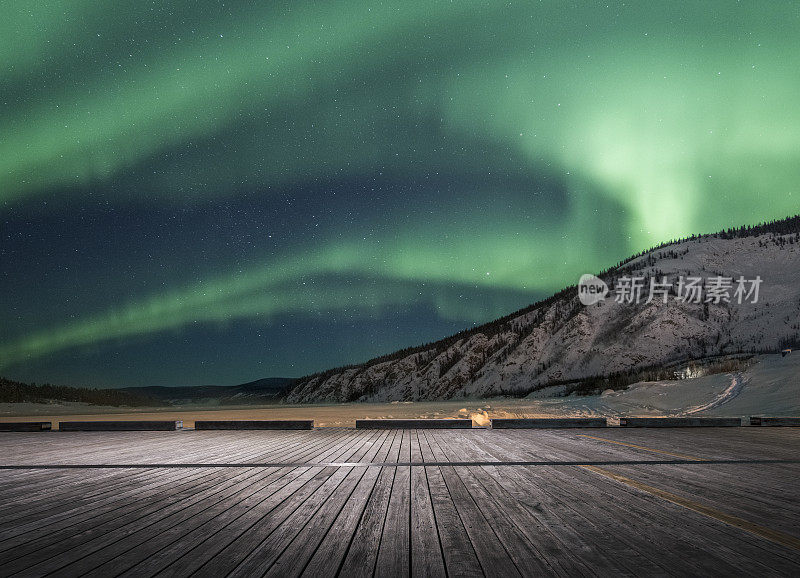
(398, 464)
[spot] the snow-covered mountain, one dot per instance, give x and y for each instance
(560, 340)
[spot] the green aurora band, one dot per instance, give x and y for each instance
(645, 122)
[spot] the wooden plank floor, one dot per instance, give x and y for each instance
(344, 502)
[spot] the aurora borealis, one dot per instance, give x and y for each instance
(207, 192)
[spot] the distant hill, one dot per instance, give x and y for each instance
(253, 392)
(18, 392)
(559, 341)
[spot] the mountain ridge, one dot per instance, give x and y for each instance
(406, 374)
(265, 389)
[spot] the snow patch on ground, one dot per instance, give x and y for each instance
(771, 386)
(738, 382)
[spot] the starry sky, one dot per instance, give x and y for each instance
(196, 192)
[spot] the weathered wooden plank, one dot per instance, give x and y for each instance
(371, 446)
(45, 556)
(243, 425)
(526, 538)
(363, 549)
(124, 554)
(633, 545)
(44, 522)
(69, 496)
(426, 549)
(198, 544)
(62, 512)
(495, 560)
(459, 555)
(413, 424)
(116, 508)
(102, 484)
(331, 516)
(565, 531)
(680, 422)
(779, 509)
(61, 505)
(118, 555)
(776, 421)
(307, 518)
(28, 490)
(548, 423)
(395, 546)
(405, 446)
(335, 545)
(564, 537)
(352, 541)
(25, 426)
(226, 549)
(394, 451)
(630, 528)
(164, 546)
(119, 425)
(463, 520)
(709, 547)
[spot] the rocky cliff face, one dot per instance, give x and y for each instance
(560, 339)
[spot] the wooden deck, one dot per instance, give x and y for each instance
(401, 502)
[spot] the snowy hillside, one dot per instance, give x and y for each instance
(769, 386)
(562, 340)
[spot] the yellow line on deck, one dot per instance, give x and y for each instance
(682, 456)
(772, 535)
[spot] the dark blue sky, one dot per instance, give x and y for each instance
(205, 192)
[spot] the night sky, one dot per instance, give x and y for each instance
(206, 192)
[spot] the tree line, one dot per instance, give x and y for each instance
(18, 392)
